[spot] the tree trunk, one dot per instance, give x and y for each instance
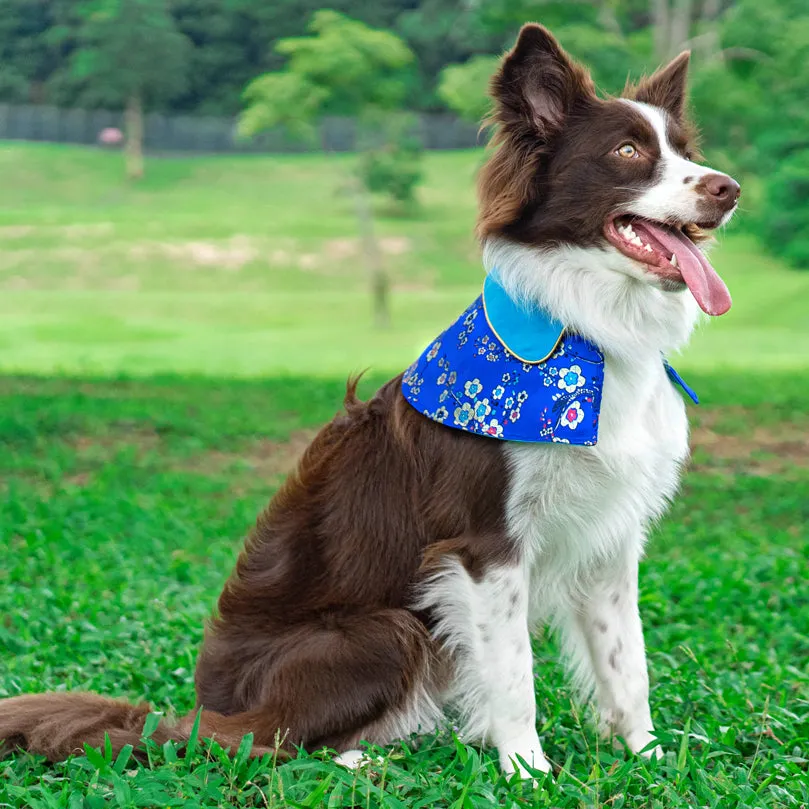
(133, 150)
(608, 19)
(679, 26)
(709, 41)
(380, 284)
(660, 21)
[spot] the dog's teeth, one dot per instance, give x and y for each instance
(636, 241)
(673, 260)
(647, 248)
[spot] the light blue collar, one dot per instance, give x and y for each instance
(529, 332)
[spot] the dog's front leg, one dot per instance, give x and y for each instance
(605, 639)
(484, 621)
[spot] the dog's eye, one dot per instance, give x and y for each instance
(626, 150)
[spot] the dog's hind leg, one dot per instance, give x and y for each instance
(341, 677)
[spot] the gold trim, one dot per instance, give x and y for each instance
(505, 345)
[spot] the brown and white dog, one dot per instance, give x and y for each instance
(400, 569)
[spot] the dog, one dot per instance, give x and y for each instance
(399, 571)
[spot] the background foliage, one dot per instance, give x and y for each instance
(750, 74)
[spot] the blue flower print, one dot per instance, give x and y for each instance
(493, 393)
(482, 409)
(463, 414)
(570, 379)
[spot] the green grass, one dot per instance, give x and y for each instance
(124, 495)
(250, 266)
(122, 508)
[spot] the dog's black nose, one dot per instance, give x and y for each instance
(722, 189)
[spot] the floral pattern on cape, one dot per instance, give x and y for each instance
(468, 380)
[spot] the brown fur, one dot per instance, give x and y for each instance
(553, 178)
(58, 725)
(313, 636)
(526, 121)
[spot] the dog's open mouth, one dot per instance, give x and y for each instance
(670, 255)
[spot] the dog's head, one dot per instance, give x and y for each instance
(613, 174)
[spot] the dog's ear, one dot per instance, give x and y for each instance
(538, 83)
(667, 87)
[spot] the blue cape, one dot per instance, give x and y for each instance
(511, 372)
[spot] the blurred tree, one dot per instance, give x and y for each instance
(129, 52)
(672, 23)
(234, 41)
(765, 59)
(23, 54)
(343, 66)
(443, 32)
(463, 88)
(224, 55)
(786, 209)
(346, 67)
(390, 155)
(31, 52)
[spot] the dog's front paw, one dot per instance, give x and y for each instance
(644, 744)
(528, 750)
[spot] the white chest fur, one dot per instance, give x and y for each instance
(573, 508)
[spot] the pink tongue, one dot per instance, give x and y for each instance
(702, 279)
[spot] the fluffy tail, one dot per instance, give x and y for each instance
(59, 725)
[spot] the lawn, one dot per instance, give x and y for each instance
(250, 266)
(166, 350)
(123, 507)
